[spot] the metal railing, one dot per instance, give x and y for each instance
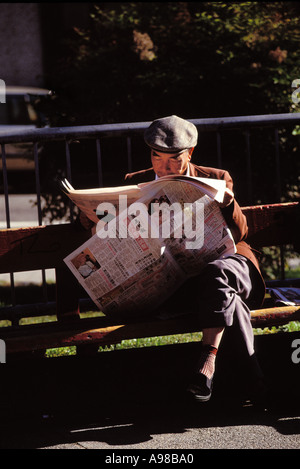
(129, 131)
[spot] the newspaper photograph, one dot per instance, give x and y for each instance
(142, 255)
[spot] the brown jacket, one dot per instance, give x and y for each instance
(233, 214)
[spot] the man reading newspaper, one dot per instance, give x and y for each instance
(227, 288)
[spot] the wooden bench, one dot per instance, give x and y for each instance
(44, 247)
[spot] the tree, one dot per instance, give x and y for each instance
(202, 59)
(141, 60)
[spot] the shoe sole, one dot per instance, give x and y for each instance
(201, 398)
(197, 397)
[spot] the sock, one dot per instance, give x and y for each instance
(206, 364)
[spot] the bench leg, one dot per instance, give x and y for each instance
(67, 300)
(86, 350)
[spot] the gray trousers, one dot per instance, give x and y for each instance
(222, 294)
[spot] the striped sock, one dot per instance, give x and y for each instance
(206, 364)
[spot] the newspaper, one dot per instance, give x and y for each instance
(87, 200)
(138, 258)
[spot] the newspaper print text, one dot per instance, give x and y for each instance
(157, 219)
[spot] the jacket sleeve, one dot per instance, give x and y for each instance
(235, 219)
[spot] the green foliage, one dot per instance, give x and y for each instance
(154, 341)
(141, 60)
(271, 262)
(167, 340)
(292, 326)
(206, 59)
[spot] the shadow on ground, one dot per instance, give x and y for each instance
(127, 399)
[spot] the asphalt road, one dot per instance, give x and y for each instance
(135, 400)
(22, 210)
(158, 427)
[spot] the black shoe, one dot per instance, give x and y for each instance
(201, 388)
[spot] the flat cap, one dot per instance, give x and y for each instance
(171, 134)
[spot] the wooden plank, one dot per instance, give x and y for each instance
(62, 337)
(273, 225)
(45, 247)
(59, 339)
(275, 316)
(40, 247)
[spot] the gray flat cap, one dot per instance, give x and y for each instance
(171, 134)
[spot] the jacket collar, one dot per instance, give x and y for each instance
(197, 171)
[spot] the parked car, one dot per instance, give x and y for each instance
(21, 111)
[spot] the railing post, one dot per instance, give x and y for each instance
(5, 185)
(249, 168)
(219, 150)
(7, 214)
(277, 166)
(129, 155)
(69, 175)
(37, 182)
(99, 163)
(39, 207)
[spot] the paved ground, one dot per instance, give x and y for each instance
(102, 404)
(127, 401)
(158, 427)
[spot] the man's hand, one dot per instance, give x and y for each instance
(228, 198)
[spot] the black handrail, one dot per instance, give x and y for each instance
(131, 128)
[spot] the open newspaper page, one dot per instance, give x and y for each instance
(87, 200)
(123, 272)
(199, 233)
(141, 257)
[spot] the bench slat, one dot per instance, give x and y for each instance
(40, 247)
(55, 335)
(43, 247)
(273, 225)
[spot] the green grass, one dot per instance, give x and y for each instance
(154, 341)
(168, 340)
(60, 352)
(149, 341)
(132, 343)
(292, 326)
(295, 273)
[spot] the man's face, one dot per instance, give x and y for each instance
(170, 163)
